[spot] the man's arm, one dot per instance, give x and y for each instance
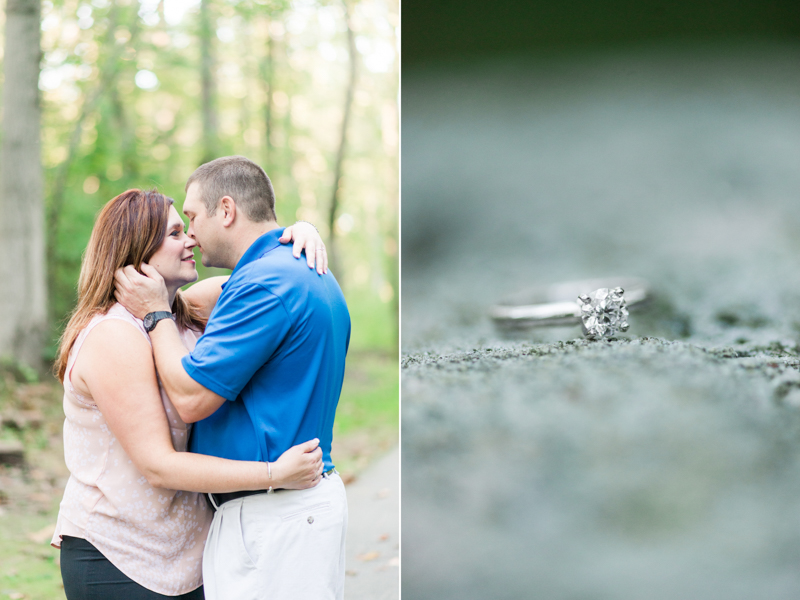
(115, 367)
(143, 294)
(193, 401)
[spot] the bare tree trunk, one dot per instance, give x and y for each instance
(287, 182)
(393, 270)
(337, 170)
(208, 84)
(267, 78)
(23, 300)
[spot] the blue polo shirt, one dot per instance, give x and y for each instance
(275, 348)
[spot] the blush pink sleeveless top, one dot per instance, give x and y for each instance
(154, 536)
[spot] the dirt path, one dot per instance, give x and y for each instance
(373, 549)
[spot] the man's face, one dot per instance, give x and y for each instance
(203, 229)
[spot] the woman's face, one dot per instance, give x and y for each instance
(174, 259)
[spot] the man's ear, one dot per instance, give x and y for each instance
(227, 207)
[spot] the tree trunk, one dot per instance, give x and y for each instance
(267, 78)
(208, 84)
(285, 171)
(337, 170)
(23, 301)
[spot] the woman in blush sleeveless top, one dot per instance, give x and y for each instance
(124, 530)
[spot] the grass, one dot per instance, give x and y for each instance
(30, 495)
(367, 425)
(30, 568)
(368, 417)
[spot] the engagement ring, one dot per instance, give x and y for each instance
(599, 305)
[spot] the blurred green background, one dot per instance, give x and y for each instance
(447, 30)
(138, 93)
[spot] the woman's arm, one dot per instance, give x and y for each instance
(115, 366)
(306, 237)
(203, 295)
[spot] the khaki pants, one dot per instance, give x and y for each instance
(283, 546)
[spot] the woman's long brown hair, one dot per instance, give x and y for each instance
(128, 231)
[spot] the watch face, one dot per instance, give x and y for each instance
(148, 321)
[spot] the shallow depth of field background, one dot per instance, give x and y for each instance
(138, 94)
(547, 142)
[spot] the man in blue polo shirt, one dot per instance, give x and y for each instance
(265, 375)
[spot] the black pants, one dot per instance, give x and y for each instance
(88, 575)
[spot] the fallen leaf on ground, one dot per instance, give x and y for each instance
(37, 475)
(40, 498)
(351, 572)
(367, 556)
(383, 537)
(43, 535)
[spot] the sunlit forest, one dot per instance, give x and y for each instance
(138, 93)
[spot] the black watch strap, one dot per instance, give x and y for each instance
(151, 319)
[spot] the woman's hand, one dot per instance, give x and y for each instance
(298, 468)
(306, 237)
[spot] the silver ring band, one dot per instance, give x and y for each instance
(557, 304)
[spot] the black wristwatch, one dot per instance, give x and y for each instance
(151, 319)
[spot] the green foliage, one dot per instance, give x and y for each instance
(123, 107)
(29, 567)
(16, 371)
(374, 324)
(369, 395)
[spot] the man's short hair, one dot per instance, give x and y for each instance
(241, 179)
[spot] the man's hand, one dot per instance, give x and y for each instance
(298, 468)
(306, 237)
(141, 293)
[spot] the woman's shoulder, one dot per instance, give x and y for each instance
(106, 337)
(116, 313)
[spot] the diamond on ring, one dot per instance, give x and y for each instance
(604, 313)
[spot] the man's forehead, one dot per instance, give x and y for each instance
(189, 203)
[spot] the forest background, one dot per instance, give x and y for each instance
(138, 93)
